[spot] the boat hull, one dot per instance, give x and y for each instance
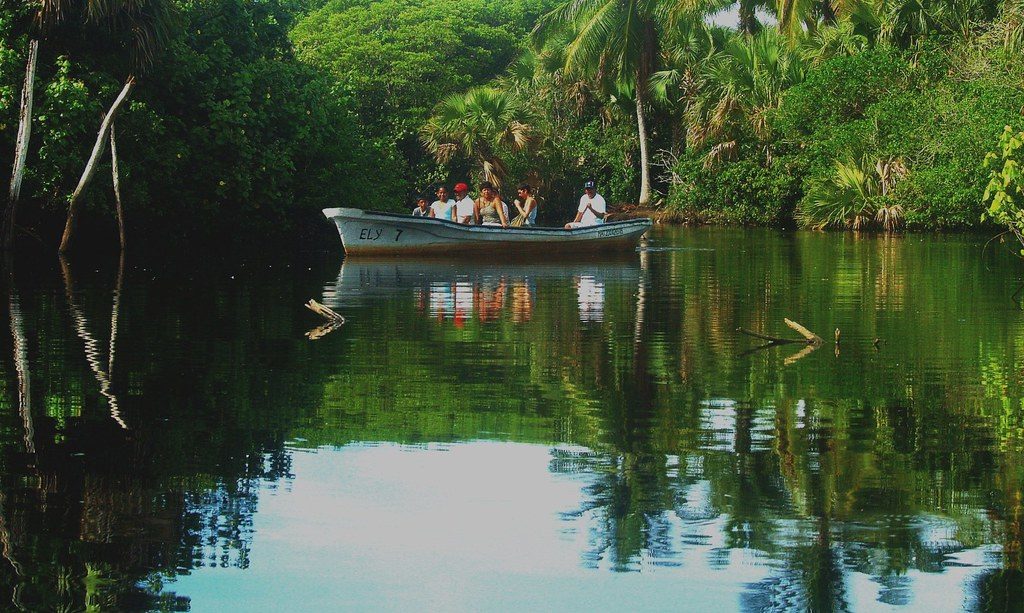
(368, 233)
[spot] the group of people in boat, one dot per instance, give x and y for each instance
(488, 209)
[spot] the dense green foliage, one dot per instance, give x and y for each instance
(227, 137)
(398, 59)
(765, 127)
(251, 116)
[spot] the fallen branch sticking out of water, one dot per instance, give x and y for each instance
(334, 320)
(809, 338)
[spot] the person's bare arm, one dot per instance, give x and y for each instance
(519, 206)
(501, 214)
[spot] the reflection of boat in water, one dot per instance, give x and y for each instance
(459, 290)
(365, 232)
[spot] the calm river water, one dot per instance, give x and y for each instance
(580, 435)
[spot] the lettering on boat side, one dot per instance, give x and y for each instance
(612, 232)
(369, 234)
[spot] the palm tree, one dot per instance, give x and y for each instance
(690, 45)
(841, 39)
(479, 125)
(616, 43)
(742, 83)
(746, 10)
(855, 195)
(148, 25)
(795, 15)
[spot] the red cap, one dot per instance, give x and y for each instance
(461, 187)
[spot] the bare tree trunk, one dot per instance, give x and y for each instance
(645, 160)
(90, 166)
(21, 148)
(117, 190)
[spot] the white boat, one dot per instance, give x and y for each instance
(366, 232)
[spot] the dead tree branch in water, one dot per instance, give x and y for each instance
(334, 320)
(810, 339)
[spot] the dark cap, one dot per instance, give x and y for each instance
(588, 185)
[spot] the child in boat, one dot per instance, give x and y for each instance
(443, 207)
(421, 209)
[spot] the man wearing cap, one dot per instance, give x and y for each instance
(463, 204)
(591, 210)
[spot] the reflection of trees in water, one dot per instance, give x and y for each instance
(92, 515)
(628, 508)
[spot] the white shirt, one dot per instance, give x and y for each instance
(442, 210)
(464, 208)
(596, 203)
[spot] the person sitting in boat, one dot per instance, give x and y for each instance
(464, 206)
(591, 210)
(421, 209)
(443, 207)
(526, 204)
(490, 210)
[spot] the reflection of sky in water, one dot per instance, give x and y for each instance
(373, 527)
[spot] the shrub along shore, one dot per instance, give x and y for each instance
(249, 117)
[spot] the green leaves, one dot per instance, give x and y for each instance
(855, 195)
(482, 125)
(1005, 190)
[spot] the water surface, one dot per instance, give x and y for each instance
(487, 435)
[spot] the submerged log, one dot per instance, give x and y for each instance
(325, 312)
(334, 320)
(807, 334)
(809, 338)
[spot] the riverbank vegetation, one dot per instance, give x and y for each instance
(249, 117)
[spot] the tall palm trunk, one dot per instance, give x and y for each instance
(90, 167)
(643, 76)
(21, 148)
(747, 18)
(645, 162)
